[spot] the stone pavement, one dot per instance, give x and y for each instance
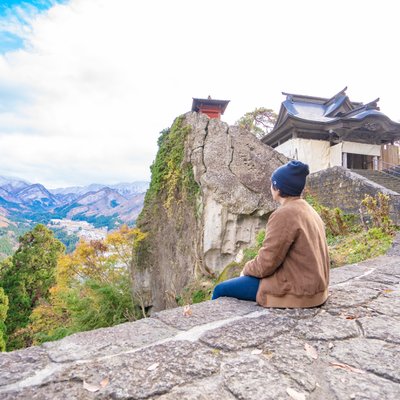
(230, 349)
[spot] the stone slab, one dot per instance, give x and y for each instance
(291, 356)
(371, 355)
(381, 327)
(326, 327)
(388, 303)
(248, 332)
(108, 341)
(210, 311)
(205, 389)
(348, 272)
(350, 296)
(22, 364)
(253, 378)
(344, 384)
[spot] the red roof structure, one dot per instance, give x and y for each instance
(212, 108)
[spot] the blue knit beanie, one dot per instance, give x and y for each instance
(291, 178)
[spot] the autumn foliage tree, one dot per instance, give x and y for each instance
(92, 289)
(260, 121)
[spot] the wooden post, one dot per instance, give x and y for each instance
(344, 160)
(375, 163)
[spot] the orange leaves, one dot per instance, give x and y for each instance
(90, 387)
(187, 311)
(346, 367)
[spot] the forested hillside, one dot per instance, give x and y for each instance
(46, 294)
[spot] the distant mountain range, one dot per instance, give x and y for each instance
(113, 204)
(26, 204)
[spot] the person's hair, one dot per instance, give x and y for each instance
(281, 192)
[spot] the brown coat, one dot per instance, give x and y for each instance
(293, 261)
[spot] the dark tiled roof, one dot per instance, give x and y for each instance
(328, 110)
(324, 114)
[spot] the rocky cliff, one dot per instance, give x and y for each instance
(208, 198)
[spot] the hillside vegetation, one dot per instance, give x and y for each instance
(46, 294)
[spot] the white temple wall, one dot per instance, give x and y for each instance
(319, 155)
(335, 156)
(315, 153)
(362, 148)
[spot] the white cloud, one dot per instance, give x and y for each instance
(99, 80)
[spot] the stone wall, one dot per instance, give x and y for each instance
(229, 349)
(340, 187)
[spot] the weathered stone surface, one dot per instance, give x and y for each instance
(289, 355)
(326, 327)
(349, 272)
(262, 381)
(248, 332)
(346, 296)
(71, 390)
(391, 267)
(388, 303)
(206, 389)
(375, 356)
(22, 364)
(344, 384)
(231, 349)
(381, 327)
(107, 341)
(153, 371)
(207, 312)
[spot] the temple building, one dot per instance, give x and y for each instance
(212, 108)
(331, 132)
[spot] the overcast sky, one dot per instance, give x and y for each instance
(87, 85)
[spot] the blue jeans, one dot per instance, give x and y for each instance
(243, 288)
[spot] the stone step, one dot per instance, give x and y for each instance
(394, 170)
(388, 181)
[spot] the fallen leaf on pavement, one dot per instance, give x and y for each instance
(347, 367)
(295, 395)
(187, 311)
(256, 351)
(91, 387)
(104, 382)
(153, 367)
(311, 352)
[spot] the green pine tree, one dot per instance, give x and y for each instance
(27, 278)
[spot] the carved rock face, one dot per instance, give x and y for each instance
(233, 169)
